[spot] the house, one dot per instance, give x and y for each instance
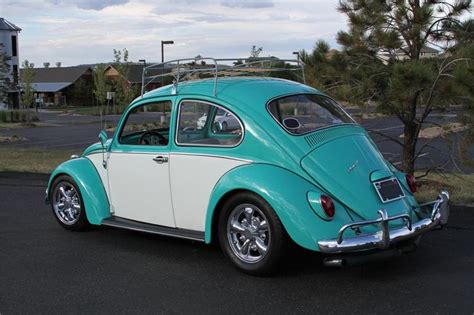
(135, 72)
(63, 85)
(428, 52)
(9, 46)
(425, 52)
(331, 53)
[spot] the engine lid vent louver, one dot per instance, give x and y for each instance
(322, 136)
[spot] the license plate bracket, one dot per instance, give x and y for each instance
(389, 189)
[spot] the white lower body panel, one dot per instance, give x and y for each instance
(193, 178)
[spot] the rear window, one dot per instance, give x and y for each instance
(300, 114)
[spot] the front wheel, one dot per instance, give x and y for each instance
(67, 204)
(251, 234)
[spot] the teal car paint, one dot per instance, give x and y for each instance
(95, 148)
(295, 165)
(91, 186)
(289, 201)
(347, 174)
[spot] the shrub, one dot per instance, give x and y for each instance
(16, 116)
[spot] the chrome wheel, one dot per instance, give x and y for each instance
(66, 203)
(248, 233)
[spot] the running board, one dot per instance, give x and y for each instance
(153, 229)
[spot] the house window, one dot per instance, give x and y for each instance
(15, 74)
(14, 46)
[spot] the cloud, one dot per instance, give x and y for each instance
(91, 4)
(247, 4)
(87, 31)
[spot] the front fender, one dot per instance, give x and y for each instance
(92, 189)
(287, 193)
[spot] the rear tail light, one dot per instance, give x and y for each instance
(328, 206)
(411, 182)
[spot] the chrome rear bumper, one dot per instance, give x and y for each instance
(384, 238)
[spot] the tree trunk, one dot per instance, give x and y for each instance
(409, 147)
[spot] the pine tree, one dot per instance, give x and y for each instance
(384, 45)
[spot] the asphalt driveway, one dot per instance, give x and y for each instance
(46, 269)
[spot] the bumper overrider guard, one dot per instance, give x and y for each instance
(385, 238)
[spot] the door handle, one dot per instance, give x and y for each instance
(160, 159)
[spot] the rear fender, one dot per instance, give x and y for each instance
(89, 183)
(287, 193)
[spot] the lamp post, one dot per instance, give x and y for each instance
(297, 53)
(163, 43)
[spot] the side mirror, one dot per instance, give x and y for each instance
(218, 127)
(103, 138)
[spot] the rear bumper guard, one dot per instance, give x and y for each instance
(384, 238)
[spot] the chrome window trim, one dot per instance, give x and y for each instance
(212, 155)
(206, 145)
(354, 123)
(164, 152)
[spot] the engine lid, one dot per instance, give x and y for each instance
(347, 167)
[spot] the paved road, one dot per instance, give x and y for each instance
(46, 269)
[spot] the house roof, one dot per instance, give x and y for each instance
(55, 79)
(57, 75)
(135, 72)
(426, 49)
(5, 25)
(49, 87)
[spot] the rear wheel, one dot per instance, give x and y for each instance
(67, 205)
(251, 234)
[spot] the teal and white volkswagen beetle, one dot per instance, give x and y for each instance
(289, 165)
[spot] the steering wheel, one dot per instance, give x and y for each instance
(190, 129)
(162, 141)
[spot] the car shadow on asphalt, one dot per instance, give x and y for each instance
(298, 262)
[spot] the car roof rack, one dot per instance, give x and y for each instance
(189, 69)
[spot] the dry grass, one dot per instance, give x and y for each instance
(443, 131)
(9, 139)
(460, 187)
(32, 160)
(24, 125)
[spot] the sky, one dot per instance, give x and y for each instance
(87, 31)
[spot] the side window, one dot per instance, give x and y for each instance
(147, 125)
(202, 123)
